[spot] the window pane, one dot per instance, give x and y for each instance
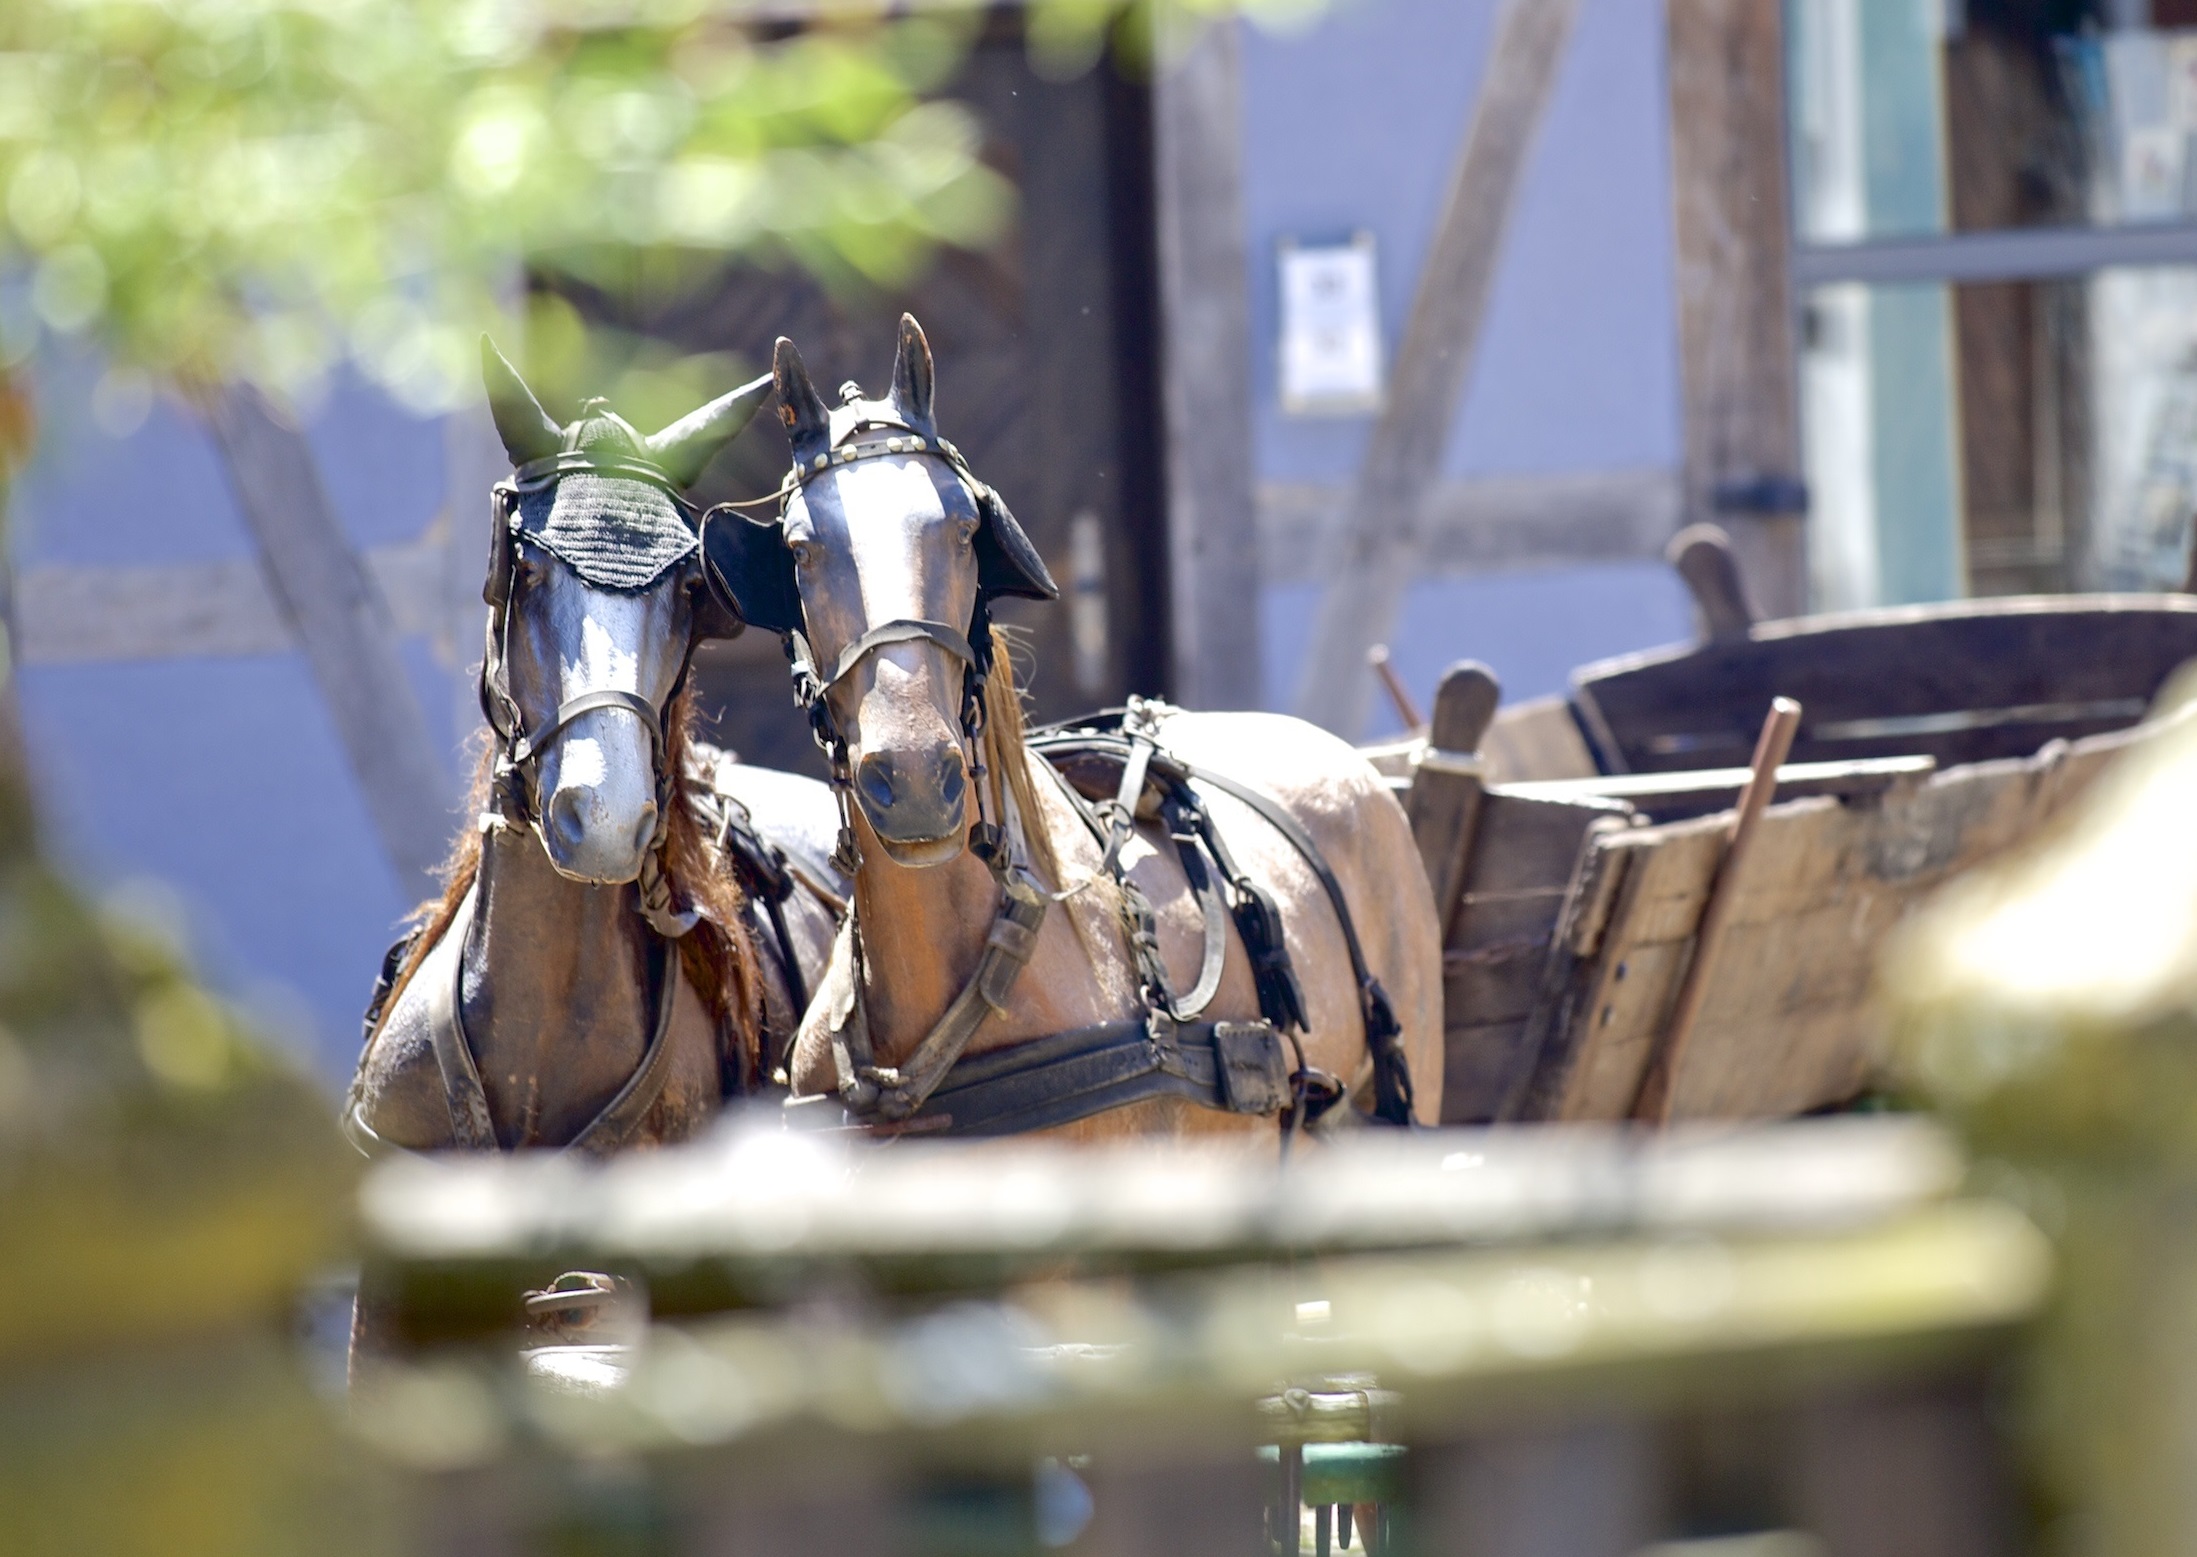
(1916, 117)
(2010, 438)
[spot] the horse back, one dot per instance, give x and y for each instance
(1361, 831)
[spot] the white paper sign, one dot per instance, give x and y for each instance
(1331, 328)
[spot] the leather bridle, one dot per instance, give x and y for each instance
(812, 688)
(519, 748)
(893, 1093)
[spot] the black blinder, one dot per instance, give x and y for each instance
(750, 569)
(496, 588)
(1006, 562)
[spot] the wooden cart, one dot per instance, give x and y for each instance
(1574, 843)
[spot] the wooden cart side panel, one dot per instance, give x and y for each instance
(1789, 1024)
(1536, 739)
(1523, 857)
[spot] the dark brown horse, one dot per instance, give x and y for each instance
(601, 971)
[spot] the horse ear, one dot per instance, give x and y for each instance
(1006, 562)
(808, 422)
(526, 430)
(687, 446)
(750, 570)
(914, 378)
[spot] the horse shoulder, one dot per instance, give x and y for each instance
(1361, 831)
(399, 1090)
(1323, 782)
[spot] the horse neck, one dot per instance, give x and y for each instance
(556, 991)
(922, 934)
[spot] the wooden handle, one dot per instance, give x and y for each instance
(1776, 743)
(1702, 554)
(1464, 707)
(1377, 657)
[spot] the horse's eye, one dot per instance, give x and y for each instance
(805, 551)
(965, 531)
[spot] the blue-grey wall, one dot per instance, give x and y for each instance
(1355, 124)
(213, 792)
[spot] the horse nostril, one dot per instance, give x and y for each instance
(565, 822)
(876, 781)
(953, 780)
(644, 833)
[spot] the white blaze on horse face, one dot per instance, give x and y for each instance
(595, 788)
(885, 540)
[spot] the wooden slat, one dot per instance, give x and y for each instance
(1212, 508)
(1433, 360)
(1964, 682)
(1731, 237)
(76, 615)
(340, 621)
(1670, 797)
(1516, 885)
(1444, 800)
(1536, 740)
(1653, 1105)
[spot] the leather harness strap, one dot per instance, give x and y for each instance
(1384, 1034)
(532, 744)
(895, 1093)
(1230, 1067)
(905, 630)
(471, 1128)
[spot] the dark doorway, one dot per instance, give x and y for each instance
(1048, 380)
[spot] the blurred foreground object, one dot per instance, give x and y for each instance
(167, 1189)
(1586, 1341)
(2050, 1008)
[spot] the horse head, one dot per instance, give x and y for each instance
(595, 581)
(881, 567)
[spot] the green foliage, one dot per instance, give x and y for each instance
(260, 187)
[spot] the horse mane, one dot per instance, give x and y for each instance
(1007, 758)
(717, 956)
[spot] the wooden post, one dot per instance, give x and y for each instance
(1660, 1081)
(342, 624)
(1212, 517)
(1380, 537)
(1737, 364)
(1444, 802)
(1702, 554)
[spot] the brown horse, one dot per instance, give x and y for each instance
(591, 978)
(882, 565)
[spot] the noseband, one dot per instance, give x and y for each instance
(519, 749)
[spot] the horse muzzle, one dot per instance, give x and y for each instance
(586, 843)
(597, 801)
(915, 801)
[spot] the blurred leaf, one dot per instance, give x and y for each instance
(260, 188)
